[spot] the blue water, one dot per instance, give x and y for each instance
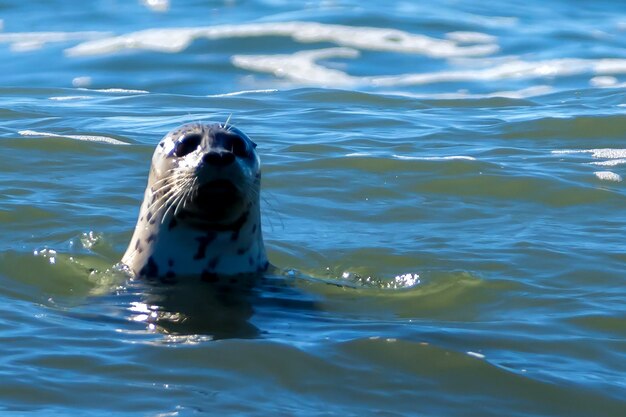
(457, 166)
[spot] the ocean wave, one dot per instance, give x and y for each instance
(608, 153)
(28, 41)
(302, 67)
(365, 38)
(608, 176)
(245, 92)
(436, 158)
(471, 55)
(610, 157)
(86, 138)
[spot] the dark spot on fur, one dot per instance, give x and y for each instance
(141, 219)
(151, 238)
(152, 221)
(213, 262)
(137, 243)
(209, 276)
(150, 269)
(172, 223)
(237, 225)
(203, 243)
(162, 144)
(149, 215)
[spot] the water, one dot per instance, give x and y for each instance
(460, 165)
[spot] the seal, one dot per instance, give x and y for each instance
(200, 214)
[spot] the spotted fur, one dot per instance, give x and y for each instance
(200, 215)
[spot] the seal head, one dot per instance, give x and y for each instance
(201, 212)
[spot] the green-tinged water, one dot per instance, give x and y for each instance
(471, 201)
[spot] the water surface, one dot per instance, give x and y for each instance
(459, 166)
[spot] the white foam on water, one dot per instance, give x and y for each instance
(516, 69)
(358, 154)
(244, 92)
(471, 37)
(87, 138)
(28, 41)
(608, 176)
(385, 39)
(416, 158)
(81, 81)
(116, 90)
(610, 162)
(603, 81)
(610, 156)
(360, 37)
(604, 153)
(610, 66)
(435, 158)
(69, 98)
(301, 67)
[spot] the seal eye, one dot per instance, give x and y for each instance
(187, 144)
(239, 147)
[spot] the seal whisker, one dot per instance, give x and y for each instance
(163, 180)
(173, 200)
(185, 196)
(166, 198)
(160, 201)
(169, 203)
(173, 186)
(274, 211)
(226, 125)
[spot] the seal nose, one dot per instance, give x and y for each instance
(218, 159)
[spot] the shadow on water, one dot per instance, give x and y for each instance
(218, 311)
